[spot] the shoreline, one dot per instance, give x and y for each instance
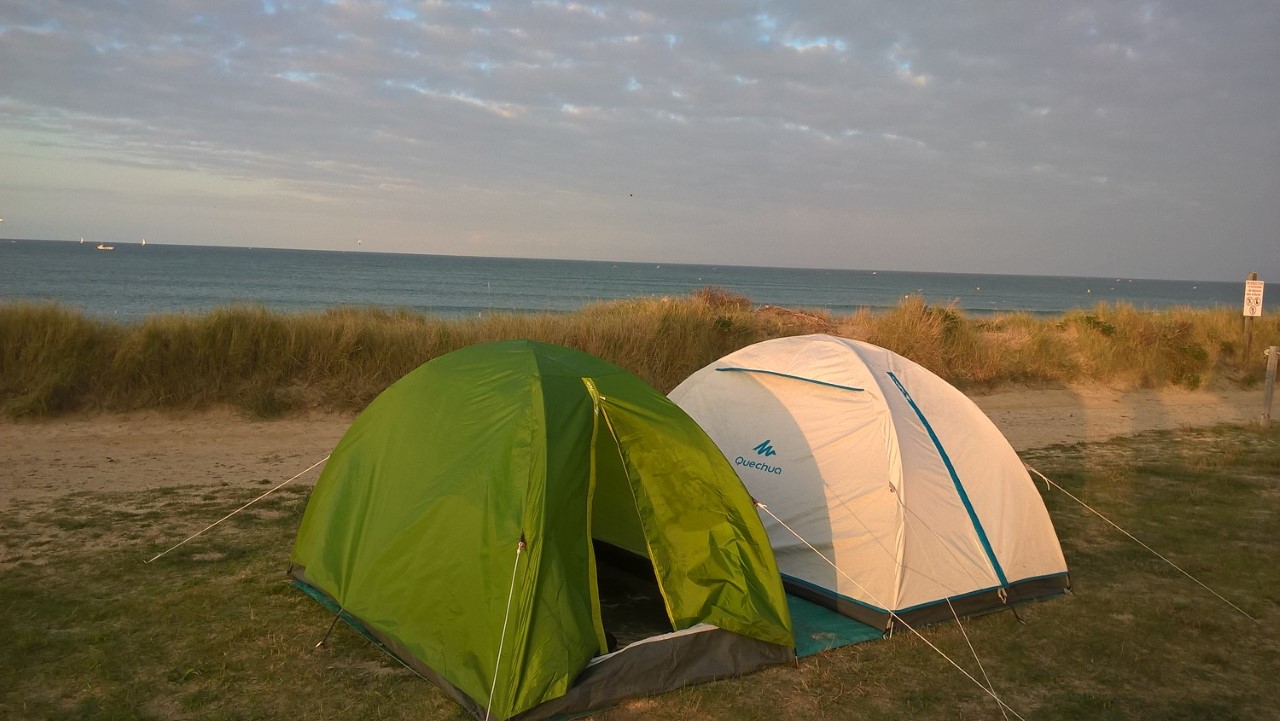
(146, 451)
(464, 287)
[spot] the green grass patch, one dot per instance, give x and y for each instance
(214, 631)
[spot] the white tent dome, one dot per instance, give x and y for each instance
(888, 471)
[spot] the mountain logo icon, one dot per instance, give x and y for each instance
(765, 449)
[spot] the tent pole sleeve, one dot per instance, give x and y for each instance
(955, 480)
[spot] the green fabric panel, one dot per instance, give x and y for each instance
(414, 524)
(436, 480)
(564, 631)
(614, 516)
(708, 547)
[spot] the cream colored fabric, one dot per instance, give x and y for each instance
(862, 474)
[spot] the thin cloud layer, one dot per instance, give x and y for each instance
(1103, 138)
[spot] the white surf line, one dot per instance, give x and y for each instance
(241, 508)
(892, 615)
(1140, 543)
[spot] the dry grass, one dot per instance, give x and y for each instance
(55, 360)
(213, 630)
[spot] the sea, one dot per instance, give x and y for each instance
(133, 281)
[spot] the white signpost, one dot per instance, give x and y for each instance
(1253, 309)
(1253, 298)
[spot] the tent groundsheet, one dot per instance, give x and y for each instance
(819, 629)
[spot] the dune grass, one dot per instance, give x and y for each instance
(214, 631)
(56, 360)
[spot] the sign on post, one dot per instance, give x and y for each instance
(1253, 298)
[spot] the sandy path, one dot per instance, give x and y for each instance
(151, 450)
(1032, 419)
(40, 460)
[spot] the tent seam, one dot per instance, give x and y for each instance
(792, 377)
(955, 480)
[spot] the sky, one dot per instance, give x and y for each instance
(1105, 138)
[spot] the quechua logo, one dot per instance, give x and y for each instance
(765, 448)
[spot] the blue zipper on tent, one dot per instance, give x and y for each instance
(955, 479)
(797, 378)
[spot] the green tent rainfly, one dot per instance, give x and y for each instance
(469, 516)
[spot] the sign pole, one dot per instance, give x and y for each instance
(1248, 321)
(1273, 353)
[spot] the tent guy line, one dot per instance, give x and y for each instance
(506, 617)
(606, 446)
(1140, 543)
(241, 508)
(954, 614)
(989, 691)
(908, 514)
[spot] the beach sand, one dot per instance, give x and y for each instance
(40, 460)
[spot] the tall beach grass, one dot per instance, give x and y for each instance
(55, 360)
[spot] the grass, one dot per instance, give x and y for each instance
(55, 360)
(213, 630)
(210, 631)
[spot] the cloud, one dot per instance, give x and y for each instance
(1060, 126)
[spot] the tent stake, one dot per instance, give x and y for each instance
(336, 616)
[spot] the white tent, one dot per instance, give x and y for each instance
(908, 494)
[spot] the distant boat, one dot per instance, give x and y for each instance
(82, 240)
(104, 246)
(144, 241)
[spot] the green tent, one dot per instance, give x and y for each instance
(498, 515)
